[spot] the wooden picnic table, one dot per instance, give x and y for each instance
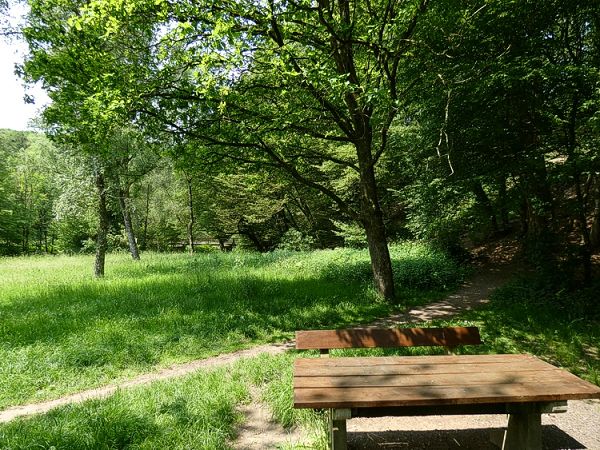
(522, 386)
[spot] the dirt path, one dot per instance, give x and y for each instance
(260, 431)
(473, 293)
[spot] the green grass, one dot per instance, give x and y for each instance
(62, 331)
(199, 411)
(196, 412)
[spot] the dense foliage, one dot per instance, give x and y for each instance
(312, 125)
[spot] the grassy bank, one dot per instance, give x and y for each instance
(61, 331)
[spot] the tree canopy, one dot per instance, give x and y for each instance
(401, 118)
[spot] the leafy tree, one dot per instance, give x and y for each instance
(70, 61)
(515, 83)
(282, 84)
(27, 192)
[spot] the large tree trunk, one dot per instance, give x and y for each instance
(124, 204)
(372, 220)
(101, 242)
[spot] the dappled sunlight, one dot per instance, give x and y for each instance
(66, 331)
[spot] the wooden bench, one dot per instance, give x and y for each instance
(326, 340)
(519, 385)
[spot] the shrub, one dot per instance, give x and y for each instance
(294, 240)
(415, 266)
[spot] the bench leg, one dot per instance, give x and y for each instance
(524, 429)
(337, 428)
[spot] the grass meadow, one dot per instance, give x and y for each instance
(61, 331)
(176, 307)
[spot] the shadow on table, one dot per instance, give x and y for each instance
(553, 438)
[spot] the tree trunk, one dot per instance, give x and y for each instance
(538, 201)
(485, 203)
(372, 220)
(124, 204)
(586, 248)
(145, 234)
(190, 225)
(25, 241)
(503, 203)
(595, 232)
(101, 241)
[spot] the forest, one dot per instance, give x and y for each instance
(212, 176)
(305, 125)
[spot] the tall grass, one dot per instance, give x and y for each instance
(196, 412)
(62, 331)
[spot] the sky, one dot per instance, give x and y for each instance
(14, 113)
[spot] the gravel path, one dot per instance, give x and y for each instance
(578, 428)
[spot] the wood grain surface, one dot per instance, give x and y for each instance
(387, 337)
(432, 380)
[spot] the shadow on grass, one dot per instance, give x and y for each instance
(242, 305)
(83, 336)
(63, 333)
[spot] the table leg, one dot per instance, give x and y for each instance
(337, 428)
(524, 429)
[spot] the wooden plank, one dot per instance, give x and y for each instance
(411, 360)
(406, 369)
(372, 368)
(384, 337)
(456, 379)
(409, 370)
(361, 397)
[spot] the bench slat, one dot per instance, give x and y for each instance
(360, 397)
(387, 337)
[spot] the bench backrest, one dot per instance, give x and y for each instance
(324, 340)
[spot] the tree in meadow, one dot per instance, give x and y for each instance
(290, 85)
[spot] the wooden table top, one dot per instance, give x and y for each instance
(364, 382)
